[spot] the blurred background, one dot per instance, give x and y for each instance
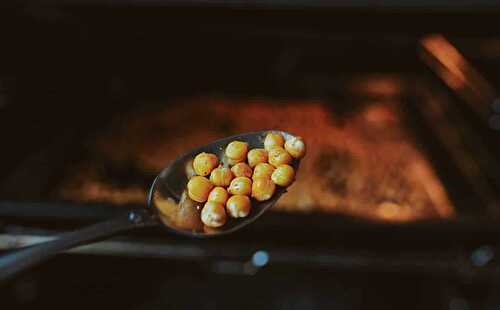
(397, 204)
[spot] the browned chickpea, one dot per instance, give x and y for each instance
(210, 230)
(256, 156)
(237, 150)
(198, 188)
(263, 170)
(242, 170)
(283, 175)
(273, 139)
(279, 156)
(296, 147)
(233, 162)
(218, 194)
(238, 206)
(213, 214)
(204, 163)
(221, 176)
(240, 186)
(263, 189)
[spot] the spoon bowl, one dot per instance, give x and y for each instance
(182, 214)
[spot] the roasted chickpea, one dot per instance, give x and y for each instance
(240, 186)
(242, 170)
(204, 163)
(296, 147)
(263, 189)
(233, 162)
(283, 175)
(210, 230)
(198, 188)
(221, 176)
(263, 170)
(213, 214)
(237, 150)
(256, 156)
(238, 206)
(279, 156)
(218, 194)
(273, 139)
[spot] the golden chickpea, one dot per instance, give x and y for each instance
(218, 194)
(283, 175)
(263, 189)
(204, 163)
(198, 188)
(237, 150)
(213, 214)
(233, 162)
(238, 206)
(256, 156)
(263, 170)
(221, 176)
(279, 156)
(242, 170)
(240, 186)
(273, 139)
(296, 147)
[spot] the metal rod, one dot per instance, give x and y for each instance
(24, 258)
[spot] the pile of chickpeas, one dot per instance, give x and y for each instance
(248, 174)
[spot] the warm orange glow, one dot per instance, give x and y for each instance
(376, 86)
(448, 56)
(363, 165)
(449, 64)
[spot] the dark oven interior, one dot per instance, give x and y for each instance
(401, 184)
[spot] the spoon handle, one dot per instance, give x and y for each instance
(21, 259)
